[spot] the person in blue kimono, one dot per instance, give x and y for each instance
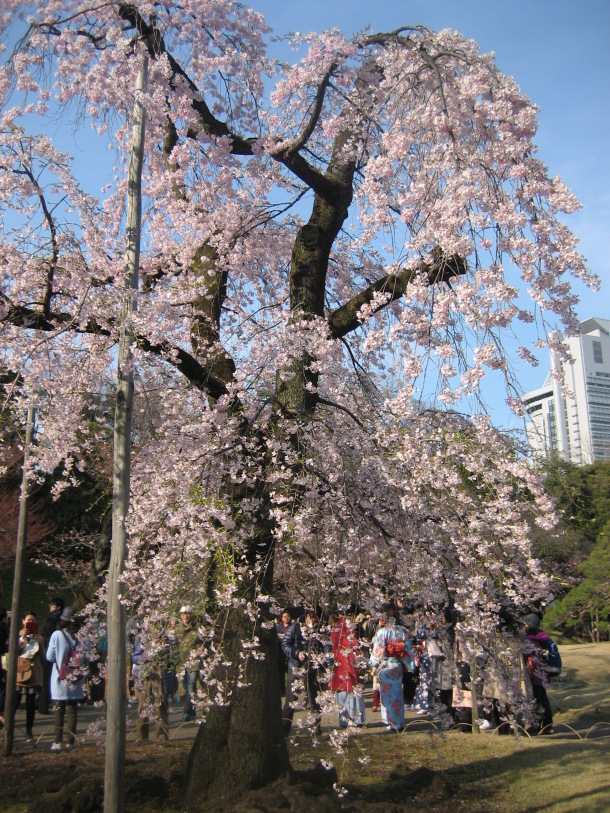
(391, 654)
(427, 635)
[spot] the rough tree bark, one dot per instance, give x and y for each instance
(241, 745)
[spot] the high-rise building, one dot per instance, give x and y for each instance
(574, 425)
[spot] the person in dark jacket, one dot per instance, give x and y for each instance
(281, 626)
(49, 625)
(300, 653)
(535, 644)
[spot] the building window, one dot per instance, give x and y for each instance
(597, 353)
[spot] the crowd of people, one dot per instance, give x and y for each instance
(412, 656)
(40, 671)
(416, 664)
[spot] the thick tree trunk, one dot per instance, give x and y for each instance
(241, 745)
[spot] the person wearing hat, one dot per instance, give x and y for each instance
(535, 639)
(187, 637)
(67, 693)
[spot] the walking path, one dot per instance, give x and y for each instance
(91, 726)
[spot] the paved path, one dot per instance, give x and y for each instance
(91, 727)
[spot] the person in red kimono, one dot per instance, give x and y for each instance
(346, 678)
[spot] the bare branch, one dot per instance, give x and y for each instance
(315, 115)
(345, 319)
(195, 372)
(342, 408)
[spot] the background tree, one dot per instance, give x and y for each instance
(66, 510)
(582, 497)
(317, 266)
(584, 611)
(39, 524)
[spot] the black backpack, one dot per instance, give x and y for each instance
(551, 657)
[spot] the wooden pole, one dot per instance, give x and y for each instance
(11, 673)
(114, 776)
(597, 638)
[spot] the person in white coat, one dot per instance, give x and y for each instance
(67, 693)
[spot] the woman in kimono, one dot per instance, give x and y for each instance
(390, 656)
(428, 651)
(345, 680)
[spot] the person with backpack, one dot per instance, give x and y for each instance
(67, 678)
(538, 650)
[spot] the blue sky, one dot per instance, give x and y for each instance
(558, 51)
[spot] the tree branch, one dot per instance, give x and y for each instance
(315, 114)
(289, 157)
(195, 372)
(345, 319)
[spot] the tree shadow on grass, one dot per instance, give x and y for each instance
(415, 769)
(541, 775)
(579, 802)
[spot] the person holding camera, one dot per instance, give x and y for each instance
(29, 670)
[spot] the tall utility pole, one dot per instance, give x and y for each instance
(114, 776)
(11, 674)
